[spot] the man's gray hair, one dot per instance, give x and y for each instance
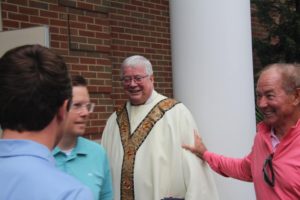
(137, 61)
(290, 73)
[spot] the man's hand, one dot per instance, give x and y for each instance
(199, 148)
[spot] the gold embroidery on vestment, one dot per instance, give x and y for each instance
(132, 142)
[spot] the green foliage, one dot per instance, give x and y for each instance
(281, 19)
(258, 114)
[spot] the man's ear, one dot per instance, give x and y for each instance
(297, 97)
(63, 110)
(151, 78)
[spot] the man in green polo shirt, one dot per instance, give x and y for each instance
(84, 159)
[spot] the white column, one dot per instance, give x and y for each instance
(213, 76)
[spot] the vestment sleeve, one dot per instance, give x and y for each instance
(198, 177)
(108, 129)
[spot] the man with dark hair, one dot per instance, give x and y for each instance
(35, 89)
(84, 159)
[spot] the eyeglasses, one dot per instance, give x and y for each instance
(137, 79)
(270, 180)
(79, 107)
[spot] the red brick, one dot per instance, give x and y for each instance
(39, 20)
(85, 6)
(86, 33)
(18, 17)
(28, 11)
(44, 13)
(9, 7)
(11, 23)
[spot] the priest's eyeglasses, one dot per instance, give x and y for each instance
(268, 171)
(137, 79)
(79, 107)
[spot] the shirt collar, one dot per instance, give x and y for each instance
(11, 147)
(79, 148)
(152, 97)
(265, 128)
(274, 140)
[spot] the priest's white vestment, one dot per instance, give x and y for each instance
(161, 167)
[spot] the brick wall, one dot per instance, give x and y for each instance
(94, 36)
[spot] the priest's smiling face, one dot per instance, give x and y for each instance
(138, 85)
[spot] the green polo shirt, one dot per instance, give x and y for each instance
(88, 163)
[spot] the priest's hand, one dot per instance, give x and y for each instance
(199, 148)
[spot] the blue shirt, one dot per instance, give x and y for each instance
(27, 171)
(88, 163)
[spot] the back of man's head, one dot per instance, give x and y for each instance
(34, 84)
(78, 80)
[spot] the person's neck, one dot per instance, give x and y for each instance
(44, 137)
(67, 142)
(281, 130)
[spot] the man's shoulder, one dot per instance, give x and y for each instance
(49, 183)
(91, 145)
(37, 169)
(63, 185)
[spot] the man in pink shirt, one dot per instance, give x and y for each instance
(273, 164)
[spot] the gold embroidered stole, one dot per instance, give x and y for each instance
(132, 142)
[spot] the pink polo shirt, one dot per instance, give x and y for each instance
(286, 164)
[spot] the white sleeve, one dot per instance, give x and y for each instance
(197, 174)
